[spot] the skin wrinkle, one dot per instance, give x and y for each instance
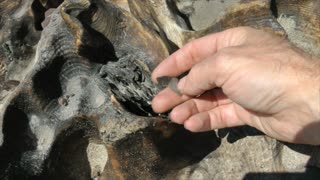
(267, 128)
(223, 112)
(215, 95)
(222, 115)
(272, 99)
(243, 68)
(219, 106)
(194, 108)
(223, 63)
(187, 50)
(192, 56)
(265, 74)
(227, 87)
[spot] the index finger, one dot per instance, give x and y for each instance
(197, 50)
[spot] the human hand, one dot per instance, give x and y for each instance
(244, 76)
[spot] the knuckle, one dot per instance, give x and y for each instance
(223, 57)
(189, 46)
(190, 49)
(243, 30)
(187, 52)
(239, 35)
(223, 63)
(192, 76)
(191, 83)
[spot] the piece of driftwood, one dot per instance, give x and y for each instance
(76, 90)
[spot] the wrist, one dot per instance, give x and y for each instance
(308, 87)
(315, 102)
(313, 105)
(305, 102)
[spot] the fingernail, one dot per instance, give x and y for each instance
(181, 84)
(154, 75)
(170, 115)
